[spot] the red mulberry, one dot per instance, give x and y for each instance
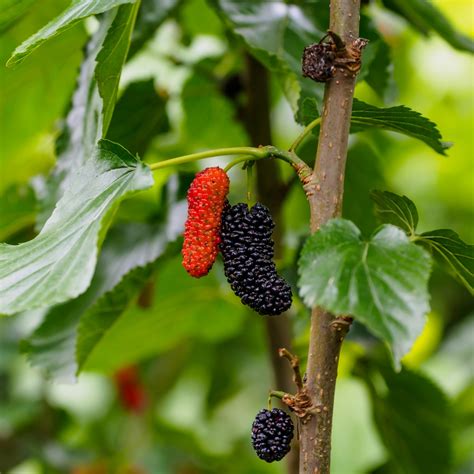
(206, 198)
(247, 251)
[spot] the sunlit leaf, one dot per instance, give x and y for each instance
(382, 282)
(59, 263)
(77, 11)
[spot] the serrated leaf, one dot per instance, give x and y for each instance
(382, 282)
(127, 260)
(111, 58)
(424, 16)
(77, 11)
(399, 119)
(391, 208)
(151, 15)
(414, 420)
(457, 256)
(139, 116)
(59, 263)
(183, 308)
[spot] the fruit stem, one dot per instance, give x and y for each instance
(239, 160)
(304, 133)
(274, 393)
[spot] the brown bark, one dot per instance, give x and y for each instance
(325, 195)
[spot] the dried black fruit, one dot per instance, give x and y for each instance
(318, 61)
(247, 250)
(272, 432)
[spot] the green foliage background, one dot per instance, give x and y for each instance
(202, 357)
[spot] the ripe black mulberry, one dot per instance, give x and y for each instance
(272, 432)
(247, 250)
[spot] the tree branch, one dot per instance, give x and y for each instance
(325, 193)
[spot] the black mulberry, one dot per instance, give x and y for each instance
(247, 249)
(272, 432)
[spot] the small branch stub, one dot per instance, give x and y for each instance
(320, 60)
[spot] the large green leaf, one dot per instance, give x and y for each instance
(92, 104)
(399, 119)
(77, 11)
(453, 253)
(59, 263)
(391, 208)
(140, 115)
(414, 420)
(382, 282)
(183, 308)
(111, 58)
(426, 17)
(127, 260)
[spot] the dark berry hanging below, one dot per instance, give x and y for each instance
(206, 198)
(247, 250)
(272, 432)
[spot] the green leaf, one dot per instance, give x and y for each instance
(183, 308)
(453, 253)
(127, 260)
(399, 119)
(382, 282)
(414, 420)
(17, 210)
(77, 11)
(151, 15)
(11, 11)
(59, 263)
(91, 107)
(391, 208)
(139, 116)
(424, 16)
(111, 58)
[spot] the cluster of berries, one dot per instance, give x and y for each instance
(243, 236)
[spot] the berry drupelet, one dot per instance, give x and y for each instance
(247, 250)
(272, 432)
(206, 198)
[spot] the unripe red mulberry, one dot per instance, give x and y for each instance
(206, 198)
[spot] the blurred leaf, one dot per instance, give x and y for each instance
(111, 58)
(77, 11)
(17, 210)
(380, 75)
(276, 33)
(92, 104)
(183, 307)
(58, 264)
(11, 11)
(424, 16)
(399, 119)
(138, 117)
(124, 266)
(414, 420)
(151, 15)
(364, 172)
(381, 282)
(391, 208)
(453, 253)
(201, 98)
